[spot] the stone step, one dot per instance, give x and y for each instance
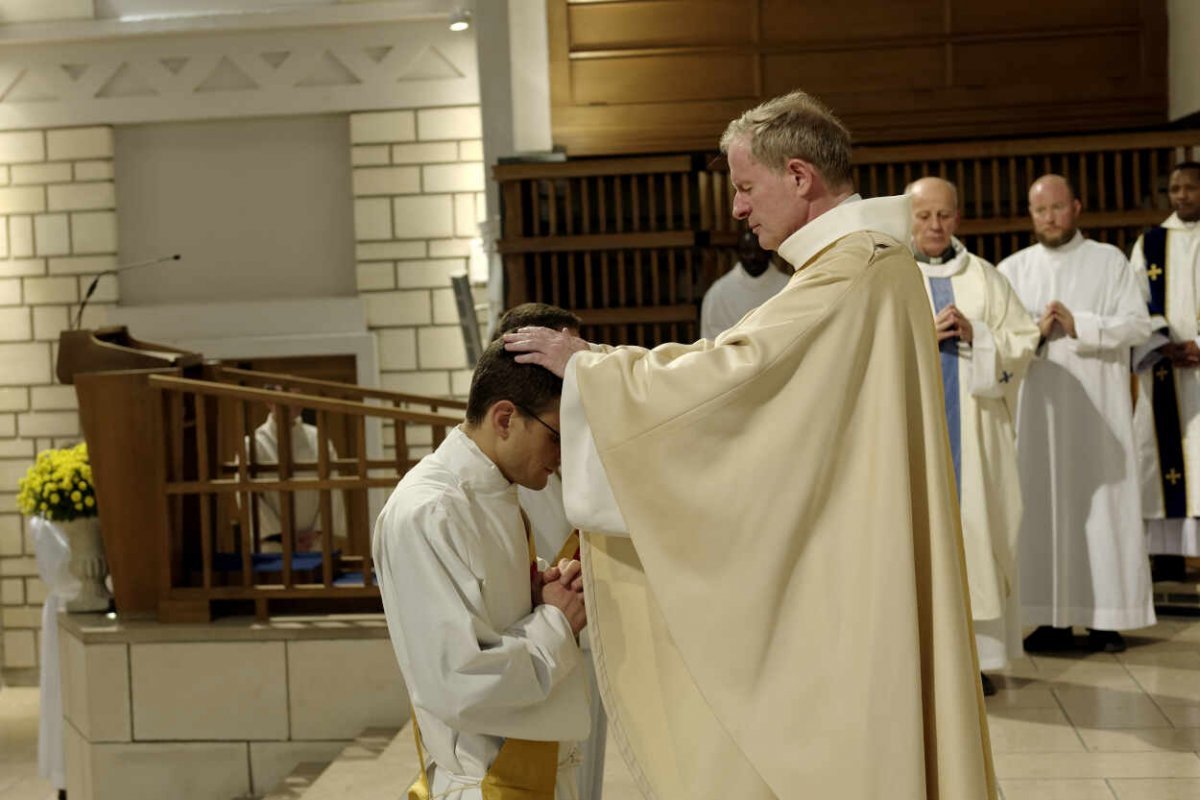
(297, 781)
(380, 765)
(366, 748)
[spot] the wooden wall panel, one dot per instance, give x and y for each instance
(639, 76)
(1052, 64)
(807, 21)
(659, 23)
(1006, 16)
(847, 71)
(677, 78)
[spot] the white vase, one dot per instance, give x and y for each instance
(87, 564)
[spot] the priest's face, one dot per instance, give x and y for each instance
(529, 454)
(935, 216)
(1055, 212)
(772, 203)
(1185, 194)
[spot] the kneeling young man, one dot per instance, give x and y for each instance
(486, 642)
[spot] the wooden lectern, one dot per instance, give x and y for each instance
(110, 370)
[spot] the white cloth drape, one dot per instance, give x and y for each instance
(53, 562)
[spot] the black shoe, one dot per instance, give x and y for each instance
(1047, 639)
(989, 688)
(1105, 641)
(1168, 568)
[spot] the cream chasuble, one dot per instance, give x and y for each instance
(1171, 526)
(985, 377)
(1083, 555)
(788, 616)
(481, 664)
(551, 531)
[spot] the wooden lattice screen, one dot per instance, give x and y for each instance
(632, 244)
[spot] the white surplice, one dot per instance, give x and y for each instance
(481, 664)
(306, 507)
(1171, 536)
(548, 517)
(734, 295)
(989, 372)
(1083, 556)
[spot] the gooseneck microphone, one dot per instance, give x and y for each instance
(119, 268)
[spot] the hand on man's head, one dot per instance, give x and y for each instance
(544, 347)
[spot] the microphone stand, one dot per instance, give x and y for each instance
(96, 280)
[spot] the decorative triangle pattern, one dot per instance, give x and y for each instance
(31, 87)
(431, 64)
(377, 54)
(276, 58)
(226, 77)
(174, 65)
(329, 71)
(126, 82)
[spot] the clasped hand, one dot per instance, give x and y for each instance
(1056, 314)
(953, 323)
(1182, 354)
(561, 586)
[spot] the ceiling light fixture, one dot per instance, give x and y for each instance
(460, 20)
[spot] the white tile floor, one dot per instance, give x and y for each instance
(1078, 727)
(1103, 727)
(18, 746)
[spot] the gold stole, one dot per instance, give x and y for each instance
(523, 769)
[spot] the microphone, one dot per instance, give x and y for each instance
(119, 268)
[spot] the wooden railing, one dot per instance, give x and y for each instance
(211, 488)
(632, 244)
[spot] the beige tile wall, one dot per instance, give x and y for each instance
(418, 200)
(58, 229)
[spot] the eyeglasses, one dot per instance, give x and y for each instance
(553, 431)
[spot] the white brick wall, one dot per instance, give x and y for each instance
(57, 231)
(425, 168)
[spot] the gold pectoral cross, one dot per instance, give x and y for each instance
(1161, 373)
(1154, 272)
(1173, 476)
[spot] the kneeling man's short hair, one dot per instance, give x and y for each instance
(536, 315)
(499, 377)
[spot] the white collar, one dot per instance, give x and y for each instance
(949, 268)
(1174, 223)
(887, 215)
(471, 464)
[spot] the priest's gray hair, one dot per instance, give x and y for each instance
(794, 125)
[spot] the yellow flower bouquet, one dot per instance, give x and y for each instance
(59, 485)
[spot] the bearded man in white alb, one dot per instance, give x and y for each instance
(986, 339)
(1083, 555)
